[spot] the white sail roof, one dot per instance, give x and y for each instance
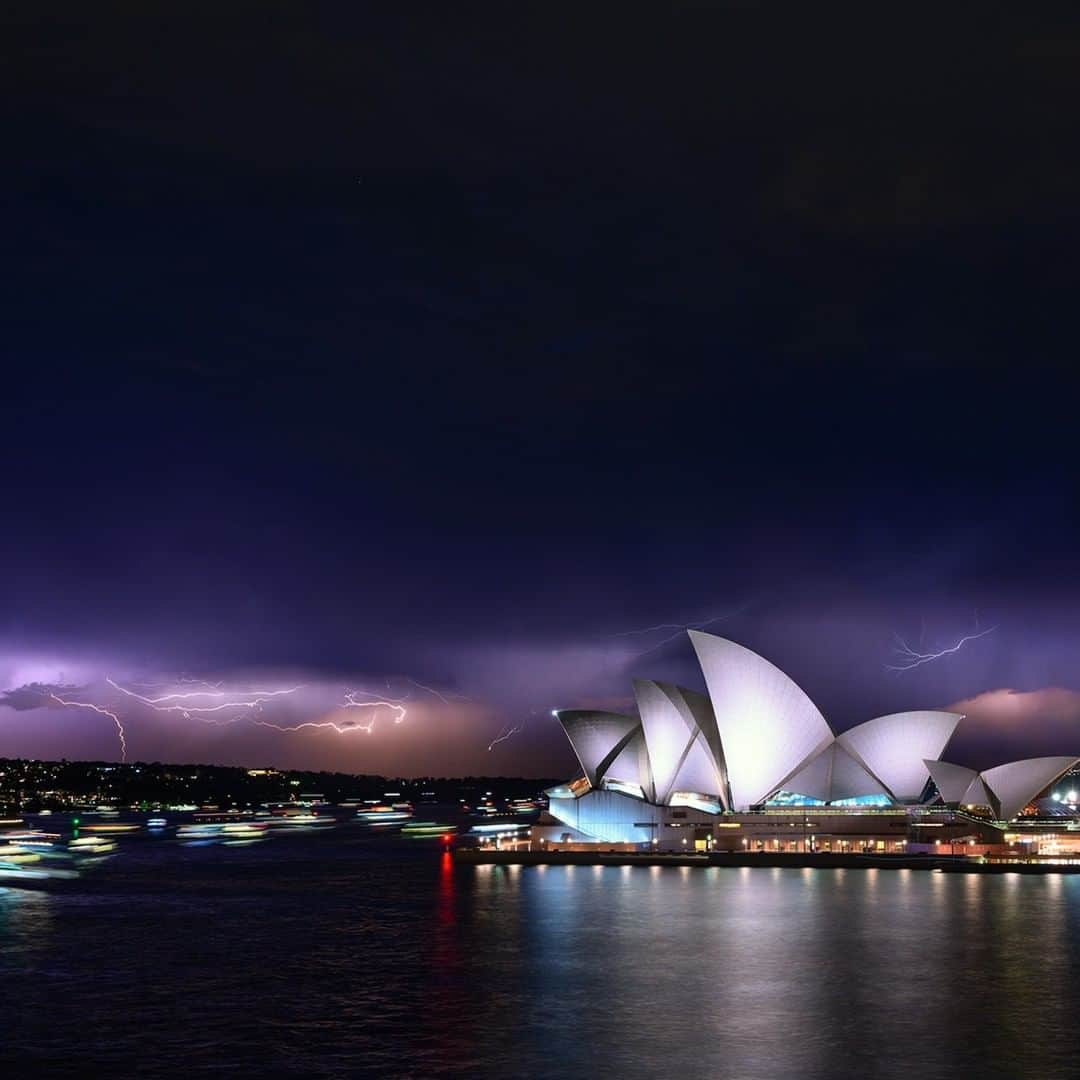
(1006, 789)
(757, 732)
(832, 775)
(630, 766)
(893, 748)
(768, 727)
(850, 779)
(952, 781)
(1017, 783)
(597, 737)
(978, 794)
(680, 733)
(814, 779)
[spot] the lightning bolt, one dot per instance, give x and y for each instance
(104, 712)
(652, 629)
(397, 706)
(213, 705)
(253, 700)
(183, 680)
(351, 702)
(205, 704)
(507, 731)
(431, 690)
(681, 628)
(907, 658)
(341, 728)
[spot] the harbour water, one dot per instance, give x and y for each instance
(341, 954)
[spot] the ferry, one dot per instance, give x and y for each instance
(382, 814)
(287, 810)
(307, 818)
(211, 814)
(315, 800)
(14, 871)
(427, 830)
(32, 840)
(91, 845)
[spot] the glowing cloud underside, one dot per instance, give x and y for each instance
(768, 726)
(894, 748)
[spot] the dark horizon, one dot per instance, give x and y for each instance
(437, 359)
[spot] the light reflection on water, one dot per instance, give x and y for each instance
(356, 959)
(803, 972)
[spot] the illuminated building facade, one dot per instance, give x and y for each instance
(754, 765)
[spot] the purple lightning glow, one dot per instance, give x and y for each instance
(104, 712)
(908, 658)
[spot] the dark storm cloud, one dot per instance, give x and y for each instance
(35, 696)
(455, 341)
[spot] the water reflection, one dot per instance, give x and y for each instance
(805, 972)
(25, 923)
(402, 962)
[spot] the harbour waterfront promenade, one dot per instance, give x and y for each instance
(958, 864)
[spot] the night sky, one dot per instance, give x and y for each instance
(432, 352)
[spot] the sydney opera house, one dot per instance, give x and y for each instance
(753, 765)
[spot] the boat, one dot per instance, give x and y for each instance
(381, 814)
